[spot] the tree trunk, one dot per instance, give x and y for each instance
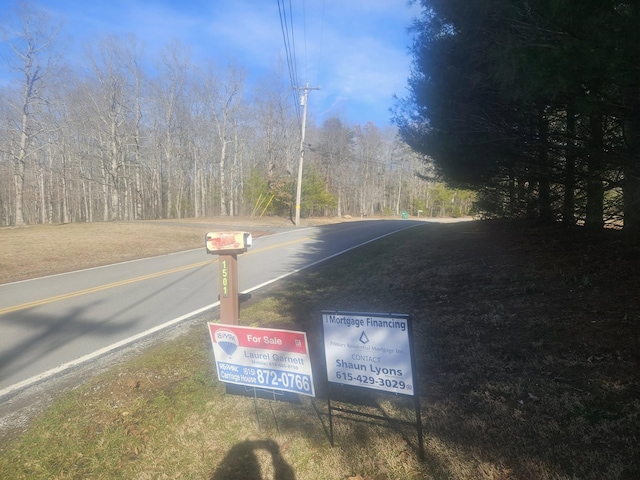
(595, 188)
(18, 181)
(105, 196)
(221, 167)
(43, 201)
(544, 190)
(169, 156)
(631, 184)
(20, 167)
(512, 192)
(65, 205)
(568, 204)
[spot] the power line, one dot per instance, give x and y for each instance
(285, 36)
(286, 26)
(304, 30)
(289, 42)
(321, 43)
(293, 43)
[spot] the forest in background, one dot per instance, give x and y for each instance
(113, 139)
(535, 105)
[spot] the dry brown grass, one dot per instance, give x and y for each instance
(38, 250)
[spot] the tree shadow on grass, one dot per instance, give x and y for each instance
(525, 344)
(41, 338)
(242, 462)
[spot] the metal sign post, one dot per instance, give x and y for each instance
(227, 245)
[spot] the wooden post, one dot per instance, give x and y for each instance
(229, 309)
(227, 245)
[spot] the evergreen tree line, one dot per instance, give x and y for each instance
(535, 105)
(123, 136)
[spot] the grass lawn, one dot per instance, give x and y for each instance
(527, 343)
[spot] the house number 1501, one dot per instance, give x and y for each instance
(225, 278)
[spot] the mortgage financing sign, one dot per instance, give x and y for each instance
(368, 350)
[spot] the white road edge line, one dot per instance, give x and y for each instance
(293, 272)
(109, 348)
(90, 356)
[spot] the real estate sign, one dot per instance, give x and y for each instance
(369, 350)
(264, 358)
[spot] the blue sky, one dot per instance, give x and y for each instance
(356, 51)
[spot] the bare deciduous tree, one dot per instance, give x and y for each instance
(111, 139)
(31, 40)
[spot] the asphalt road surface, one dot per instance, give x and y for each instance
(52, 324)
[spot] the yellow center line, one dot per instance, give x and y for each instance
(45, 301)
(99, 288)
(277, 245)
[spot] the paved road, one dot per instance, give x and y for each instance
(51, 324)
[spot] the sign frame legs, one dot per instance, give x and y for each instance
(417, 424)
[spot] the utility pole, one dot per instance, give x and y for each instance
(303, 102)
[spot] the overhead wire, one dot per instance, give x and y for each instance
(304, 30)
(293, 42)
(288, 36)
(286, 25)
(295, 86)
(321, 43)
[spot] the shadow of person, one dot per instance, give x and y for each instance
(241, 462)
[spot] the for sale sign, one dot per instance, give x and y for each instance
(368, 350)
(265, 358)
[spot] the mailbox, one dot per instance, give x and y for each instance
(218, 243)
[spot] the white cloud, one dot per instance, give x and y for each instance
(251, 34)
(364, 66)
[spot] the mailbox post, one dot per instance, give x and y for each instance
(227, 245)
